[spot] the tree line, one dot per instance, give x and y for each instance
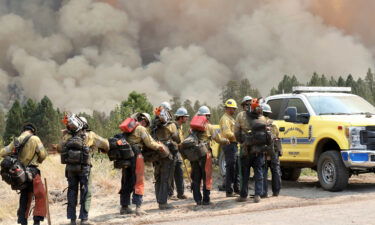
(47, 118)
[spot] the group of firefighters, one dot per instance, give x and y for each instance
(157, 135)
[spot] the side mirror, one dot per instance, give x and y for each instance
(290, 115)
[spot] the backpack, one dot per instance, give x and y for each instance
(260, 138)
(13, 172)
(75, 153)
(120, 151)
(192, 149)
(151, 155)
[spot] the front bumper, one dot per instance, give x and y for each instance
(358, 158)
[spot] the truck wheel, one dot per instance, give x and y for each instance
(290, 174)
(332, 173)
(222, 162)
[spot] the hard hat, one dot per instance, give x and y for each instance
(166, 106)
(181, 112)
(245, 99)
(74, 123)
(266, 108)
(84, 120)
(231, 103)
(85, 124)
(148, 117)
(203, 110)
(29, 126)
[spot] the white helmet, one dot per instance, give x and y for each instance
(181, 112)
(84, 120)
(148, 117)
(75, 123)
(203, 110)
(266, 108)
(166, 106)
(245, 99)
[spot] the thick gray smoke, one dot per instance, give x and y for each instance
(88, 55)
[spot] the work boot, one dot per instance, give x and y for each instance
(85, 222)
(73, 222)
(256, 198)
(206, 203)
(275, 194)
(264, 196)
(229, 195)
(139, 211)
(36, 222)
(181, 196)
(165, 206)
(126, 210)
(241, 199)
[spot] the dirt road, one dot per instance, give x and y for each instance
(302, 202)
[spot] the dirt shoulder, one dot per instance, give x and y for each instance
(297, 200)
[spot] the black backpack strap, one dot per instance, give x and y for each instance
(19, 146)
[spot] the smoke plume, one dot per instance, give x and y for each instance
(89, 54)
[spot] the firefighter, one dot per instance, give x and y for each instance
(181, 116)
(78, 171)
(251, 157)
(231, 150)
(165, 131)
(31, 155)
(201, 170)
(133, 177)
(244, 104)
(272, 157)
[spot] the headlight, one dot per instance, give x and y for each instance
(355, 138)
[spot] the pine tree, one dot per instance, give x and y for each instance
(29, 110)
(14, 122)
(175, 103)
(341, 82)
(188, 107)
(315, 80)
(136, 102)
(332, 82)
(47, 121)
(197, 105)
(2, 125)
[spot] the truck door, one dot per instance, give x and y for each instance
(296, 138)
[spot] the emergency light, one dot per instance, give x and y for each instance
(300, 89)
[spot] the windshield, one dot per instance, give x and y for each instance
(333, 105)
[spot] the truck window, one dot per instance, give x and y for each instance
(298, 103)
(275, 107)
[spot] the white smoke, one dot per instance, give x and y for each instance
(89, 55)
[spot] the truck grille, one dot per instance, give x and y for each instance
(368, 137)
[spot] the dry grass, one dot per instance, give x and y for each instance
(104, 179)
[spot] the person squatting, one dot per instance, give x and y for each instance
(249, 140)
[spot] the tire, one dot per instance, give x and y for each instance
(290, 174)
(222, 162)
(332, 173)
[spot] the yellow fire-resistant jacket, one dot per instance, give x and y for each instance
(140, 136)
(92, 140)
(33, 152)
(168, 132)
(274, 127)
(212, 134)
(227, 127)
(181, 134)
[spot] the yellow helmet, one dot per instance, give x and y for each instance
(231, 103)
